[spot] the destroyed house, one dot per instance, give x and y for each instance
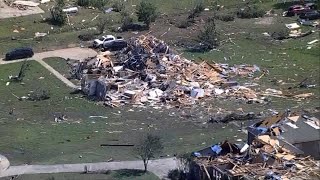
(299, 133)
(273, 151)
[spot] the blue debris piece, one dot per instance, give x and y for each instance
(216, 148)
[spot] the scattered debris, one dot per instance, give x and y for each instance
(44, 1)
(25, 3)
(148, 71)
(38, 34)
(314, 41)
(71, 10)
(268, 154)
(292, 26)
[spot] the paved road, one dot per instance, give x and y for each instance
(159, 167)
(72, 53)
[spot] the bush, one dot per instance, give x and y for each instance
(184, 23)
(101, 25)
(146, 12)
(86, 36)
(209, 36)
(126, 20)
(94, 3)
(196, 11)
(98, 3)
(225, 17)
(250, 12)
(118, 6)
(39, 95)
(58, 17)
(176, 174)
(84, 3)
(280, 34)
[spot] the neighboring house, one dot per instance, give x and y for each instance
(305, 135)
(277, 147)
(300, 133)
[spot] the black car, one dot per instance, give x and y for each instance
(115, 45)
(19, 53)
(312, 15)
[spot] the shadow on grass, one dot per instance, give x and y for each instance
(128, 173)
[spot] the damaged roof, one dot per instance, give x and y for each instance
(296, 132)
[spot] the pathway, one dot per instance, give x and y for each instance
(159, 167)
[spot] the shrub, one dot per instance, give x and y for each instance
(101, 25)
(118, 6)
(84, 3)
(225, 17)
(98, 3)
(280, 34)
(184, 23)
(250, 11)
(39, 95)
(58, 17)
(126, 20)
(86, 36)
(209, 36)
(146, 12)
(94, 3)
(176, 174)
(196, 11)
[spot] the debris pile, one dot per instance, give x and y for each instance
(21, 5)
(274, 150)
(148, 71)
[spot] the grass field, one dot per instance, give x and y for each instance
(120, 175)
(30, 134)
(85, 21)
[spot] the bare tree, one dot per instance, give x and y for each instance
(148, 148)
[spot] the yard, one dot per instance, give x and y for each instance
(30, 135)
(121, 175)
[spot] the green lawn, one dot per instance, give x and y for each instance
(119, 175)
(30, 135)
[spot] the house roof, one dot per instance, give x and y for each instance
(303, 130)
(293, 129)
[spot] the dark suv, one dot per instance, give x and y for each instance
(19, 53)
(115, 45)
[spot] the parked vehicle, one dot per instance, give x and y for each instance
(19, 53)
(98, 43)
(297, 9)
(115, 45)
(312, 15)
(312, 6)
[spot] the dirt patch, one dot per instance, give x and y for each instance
(8, 12)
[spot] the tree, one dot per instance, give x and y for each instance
(101, 25)
(209, 36)
(126, 20)
(148, 147)
(23, 69)
(58, 17)
(60, 3)
(146, 12)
